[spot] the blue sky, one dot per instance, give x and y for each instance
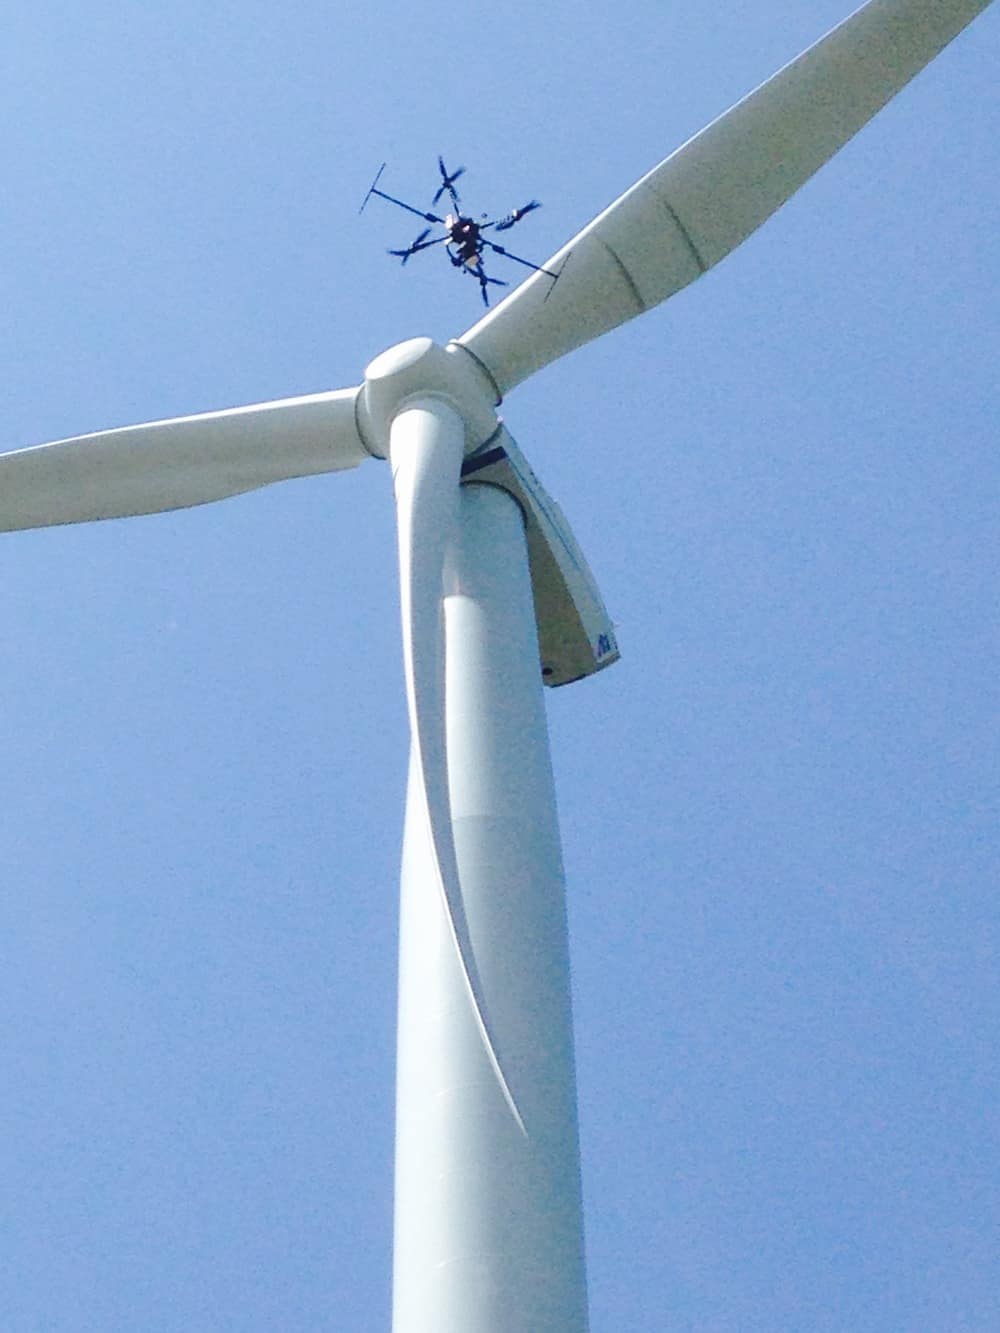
(779, 810)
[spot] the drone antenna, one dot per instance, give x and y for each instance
(418, 212)
(372, 189)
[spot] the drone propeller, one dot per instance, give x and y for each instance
(505, 223)
(421, 243)
(415, 249)
(484, 281)
(448, 182)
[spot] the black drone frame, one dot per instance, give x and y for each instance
(463, 240)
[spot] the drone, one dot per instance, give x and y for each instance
(463, 239)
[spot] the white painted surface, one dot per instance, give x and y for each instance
(488, 1220)
(180, 462)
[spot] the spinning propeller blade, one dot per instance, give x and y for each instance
(177, 463)
(506, 223)
(426, 472)
(418, 244)
(447, 182)
(484, 281)
(699, 204)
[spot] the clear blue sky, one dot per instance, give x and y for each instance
(779, 811)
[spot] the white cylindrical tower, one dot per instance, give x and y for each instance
(488, 1232)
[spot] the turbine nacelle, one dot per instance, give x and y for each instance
(575, 631)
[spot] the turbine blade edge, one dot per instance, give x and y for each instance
(426, 464)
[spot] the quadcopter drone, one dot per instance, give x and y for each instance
(464, 242)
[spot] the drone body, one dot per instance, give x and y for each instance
(463, 237)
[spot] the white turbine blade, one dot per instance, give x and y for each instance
(701, 202)
(180, 462)
(426, 464)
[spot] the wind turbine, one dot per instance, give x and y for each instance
(488, 1219)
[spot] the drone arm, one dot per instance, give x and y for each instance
(427, 217)
(177, 463)
(697, 205)
(516, 258)
(505, 224)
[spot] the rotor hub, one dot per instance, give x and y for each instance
(420, 368)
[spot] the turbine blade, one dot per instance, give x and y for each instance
(180, 462)
(700, 203)
(426, 455)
